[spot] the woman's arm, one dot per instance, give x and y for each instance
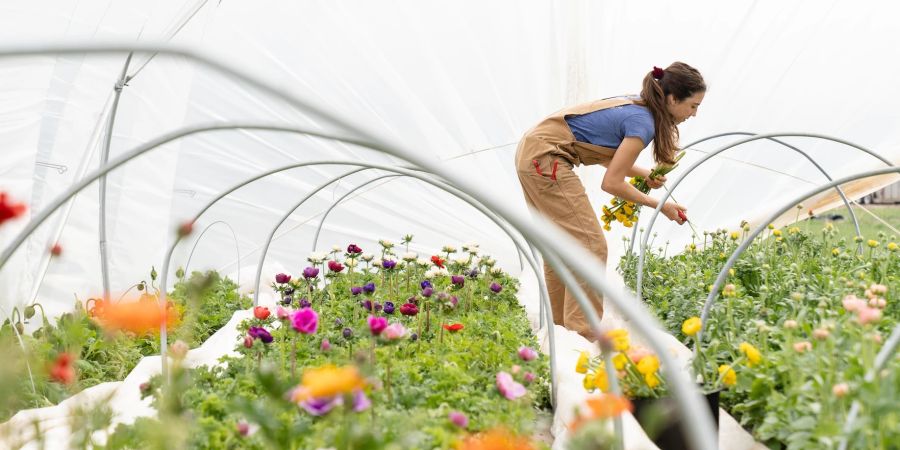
(620, 167)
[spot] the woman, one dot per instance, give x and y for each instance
(610, 132)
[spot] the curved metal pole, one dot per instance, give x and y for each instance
(759, 229)
(543, 233)
(888, 349)
(265, 248)
(237, 248)
(813, 161)
(668, 193)
(104, 157)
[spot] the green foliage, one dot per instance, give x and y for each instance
(431, 376)
(789, 288)
(206, 300)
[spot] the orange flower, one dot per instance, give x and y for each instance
(496, 439)
(138, 317)
(602, 407)
(328, 381)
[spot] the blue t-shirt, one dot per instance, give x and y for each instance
(608, 127)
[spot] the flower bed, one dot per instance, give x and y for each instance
(81, 349)
(364, 352)
(793, 332)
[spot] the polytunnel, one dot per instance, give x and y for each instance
(299, 225)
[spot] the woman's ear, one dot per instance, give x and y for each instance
(670, 100)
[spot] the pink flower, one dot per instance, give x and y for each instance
(821, 334)
(394, 331)
(459, 419)
(529, 377)
(326, 346)
(878, 289)
(305, 321)
(283, 313)
(335, 266)
(527, 353)
(360, 401)
(841, 389)
(409, 309)
(852, 303)
(802, 346)
(516, 369)
(868, 315)
(508, 387)
(637, 353)
(377, 325)
(243, 428)
(248, 341)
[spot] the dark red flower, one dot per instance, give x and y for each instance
(335, 266)
(9, 210)
(408, 309)
(453, 328)
(56, 250)
(658, 73)
(353, 249)
(438, 261)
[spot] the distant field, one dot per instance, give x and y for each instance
(869, 226)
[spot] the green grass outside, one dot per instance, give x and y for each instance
(868, 225)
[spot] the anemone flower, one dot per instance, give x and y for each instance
(369, 288)
(427, 292)
(377, 325)
(310, 272)
(496, 287)
(305, 321)
(408, 309)
(425, 284)
(282, 278)
(388, 264)
(458, 280)
(261, 334)
(353, 249)
(356, 290)
(388, 307)
(335, 266)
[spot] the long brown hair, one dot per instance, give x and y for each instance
(680, 80)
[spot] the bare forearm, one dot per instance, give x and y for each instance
(625, 190)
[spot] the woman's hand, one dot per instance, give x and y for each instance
(671, 209)
(656, 183)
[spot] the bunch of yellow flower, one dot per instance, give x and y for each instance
(626, 212)
(636, 369)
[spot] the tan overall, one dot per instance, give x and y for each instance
(544, 161)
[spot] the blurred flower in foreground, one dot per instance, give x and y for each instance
(63, 369)
(328, 381)
(497, 439)
(138, 317)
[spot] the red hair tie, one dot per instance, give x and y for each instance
(658, 73)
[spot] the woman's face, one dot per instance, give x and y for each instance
(683, 109)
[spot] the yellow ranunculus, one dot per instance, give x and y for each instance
(619, 337)
(771, 226)
(835, 251)
(648, 365)
(872, 243)
(793, 230)
(619, 361)
(328, 381)
(582, 365)
(691, 326)
(735, 235)
(753, 355)
(652, 380)
(892, 246)
(776, 233)
(588, 382)
(729, 378)
(601, 381)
